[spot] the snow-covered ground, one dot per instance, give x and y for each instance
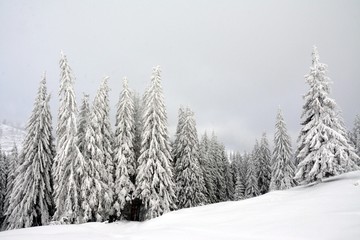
(10, 135)
(330, 210)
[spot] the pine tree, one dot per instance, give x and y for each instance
(176, 146)
(83, 121)
(356, 137)
(234, 169)
(282, 172)
(154, 184)
(3, 183)
(69, 162)
(264, 169)
(229, 185)
(90, 192)
(31, 202)
(124, 154)
(138, 112)
(207, 169)
(189, 179)
(323, 145)
(98, 154)
(251, 188)
(102, 110)
(239, 188)
(217, 155)
(13, 163)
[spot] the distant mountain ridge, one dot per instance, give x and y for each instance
(9, 136)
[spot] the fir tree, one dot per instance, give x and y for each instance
(207, 168)
(98, 156)
(356, 137)
(323, 145)
(217, 157)
(282, 172)
(176, 146)
(229, 185)
(31, 202)
(83, 121)
(3, 183)
(239, 188)
(251, 188)
(138, 112)
(13, 163)
(154, 184)
(264, 169)
(189, 179)
(69, 161)
(234, 170)
(124, 153)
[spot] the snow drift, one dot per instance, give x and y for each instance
(330, 210)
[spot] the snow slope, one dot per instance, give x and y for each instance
(10, 135)
(330, 210)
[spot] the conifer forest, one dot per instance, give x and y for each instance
(85, 169)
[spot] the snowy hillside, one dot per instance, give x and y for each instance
(330, 210)
(10, 135)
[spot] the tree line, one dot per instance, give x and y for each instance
(137, 173)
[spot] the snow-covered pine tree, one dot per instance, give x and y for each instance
(243, 168)
(3, 183)
(176, 146)
(282, 169)
(190, 186)
(154, 183)
(264, 169)
(234, 170)
(323, 146)
(91, 189)
(217, 155)
(31, 202)
(13, 160)
(239, 188)
(207, 168)
(100, 151)
(124, 154)
(138, 112)
(255, 157)
(356, 136)
(83, 121)
(230, 186)
(69, 162)
(251, 185)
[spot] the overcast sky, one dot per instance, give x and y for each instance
(232, 62)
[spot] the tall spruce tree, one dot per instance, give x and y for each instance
(138, 112)
(99, 153)
(206, 165)
(83, 121)
(251, 185)
(282, 172)
(31, 202)
(69, 161)
(323, 144)
(13, 163)
(356, 137)
(190, 186)
(124, 153)
(217, 156)
(154, 183)
(176, 146)
(3, 184)
(264, 168)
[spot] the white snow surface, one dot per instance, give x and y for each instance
(10, 135)
(328, 210)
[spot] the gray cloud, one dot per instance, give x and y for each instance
(232, 62)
